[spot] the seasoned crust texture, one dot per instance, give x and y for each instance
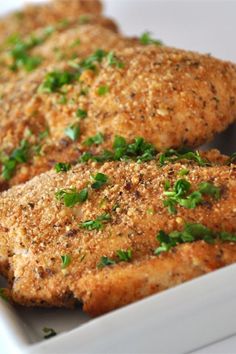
(36, 230)
(74, 39)
(170, 97)
(34, 16)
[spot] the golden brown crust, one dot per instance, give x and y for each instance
(37, 229)
(112, 288)
(170, 97)
(74, 39)
(34, 16)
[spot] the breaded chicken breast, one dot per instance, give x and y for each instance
(110, 234)
(34, 16)
(51, 45)
(170, 97)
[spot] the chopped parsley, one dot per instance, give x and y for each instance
(209, 189)
(146, 39)
(73, 131)
(94, 140)
(3, 295)
(70, 197)
(99, 180)
(232, 158)
(81, 113)
(190, 233)
(183, 172)
(18, 156)
(49, 332)
(54, 80)
(180, 195)
(105, 261)
(172, 156)
(62, 166)
(20, 50)
(139, 150)
(66, 261)
(96, 57)
(114, 61)
(84, 19)
(103, 90)
(96, 224)
(124, 255)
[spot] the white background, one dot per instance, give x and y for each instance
(208, 27)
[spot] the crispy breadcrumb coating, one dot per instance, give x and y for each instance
(170, 97)
(37, 231)
(25, 21)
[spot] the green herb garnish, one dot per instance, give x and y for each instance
(94, 140)
(105, 261)
(184, 172)
(18, 156)
(71, 196)
(207, 188)
(114, 61)
(81, 113)
(146, 39)
(139, 151)
(124, 255)
(172, 156)
(232, 158)
(96, 224)
(103, 90)
(73, 131)
(62, 166)
(49, 332)
(190, 233)
(180, 195)
(3, 296)
(66, 261)
(54, 80)
(99, 180)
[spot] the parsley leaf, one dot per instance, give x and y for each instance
(114, 61)
(190, 233)
(81, 113)
(100, 179)
(66, 261)
(73, 131)
(19, 155)
(172, 156)
(103, 90)
(124, 255)
(49, 332)
(96, 140)
(139, 151)
(209, 189)
(3, 296)
(146, 39)
(232, 158)
(96, 224)
(179, 195)
(62, 166)
(54, 80)
(71, 196)
(105, 261)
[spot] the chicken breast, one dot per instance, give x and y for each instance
(170, 97)
(34, 16)
(105, 235)
(52, 44)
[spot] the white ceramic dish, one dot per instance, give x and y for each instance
(179, 320)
